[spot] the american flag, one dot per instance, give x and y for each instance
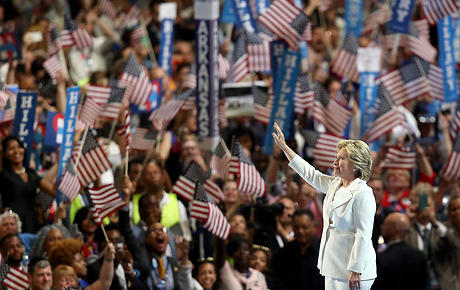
(74, 35)
(94, 211)
(54, 42)
(344, 63)
(99, 94)
(135, 76)
(434, 76)
(52, 65)
(220, 159)
(113, 105)
(137, 34)
(387, 117)
(106, 200)
(206, 211)
(455, 123)
(8, 112)
(286, 21)
(8, 48)
(240, 67)
(329, 112)
(125, 128)
(143, 139)
(263, 103)
(106, 7)
(185, 185)
(380, 16)
(258, 51)
(324, 147)
(4, 96)
(70, 185)
(165, 113)
(90, 111)
(249, 179)
(224, 67)
(452, 167)
(14, 278)
(130, 18)
(93, 161)
(304, 95)
(438, 9)
(417, 40)
(400, 158)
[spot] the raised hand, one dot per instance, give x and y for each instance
(279, 137)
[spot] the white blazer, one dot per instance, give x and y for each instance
(346, 243)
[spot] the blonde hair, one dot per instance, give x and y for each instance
(62, 271)
(422, 188)
(359, 154)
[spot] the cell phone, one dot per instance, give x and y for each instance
(34, 36)
(422, 201)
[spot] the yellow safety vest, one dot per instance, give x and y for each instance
(170, 214)
(76, 205)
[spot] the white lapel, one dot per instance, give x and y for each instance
(346, 194)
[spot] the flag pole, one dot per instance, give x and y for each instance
(112, 129)
(77, 160)
(126, 161)
(103, 231)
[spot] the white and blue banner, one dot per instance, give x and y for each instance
(244, 19)
(446, 35)
(54, 130)
(283, 104)
(24, 119)
(261, 6)
(354, 17)
(228, 13)
(207, 72)
(167, 15)
(70, 117)
(277, 49)
(402, 13)
(368, 64)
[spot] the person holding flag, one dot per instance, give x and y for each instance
(346, 256)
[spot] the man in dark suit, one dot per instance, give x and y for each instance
(295, 264)
(399, 266)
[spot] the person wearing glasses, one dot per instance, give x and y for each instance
(346, 255)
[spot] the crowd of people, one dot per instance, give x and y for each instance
(152, 242)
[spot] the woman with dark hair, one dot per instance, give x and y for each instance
(205, 274)
(88, 227)
(20, 183)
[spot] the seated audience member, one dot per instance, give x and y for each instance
(11, 224)
(47, 238)
(399, 266)
(12, 250)
(295, 264)
(64, 277)
(446, 257)
(425, 232)
(40, 275)
(239, 275)
(69, 252)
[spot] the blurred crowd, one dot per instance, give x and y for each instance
(152, 243)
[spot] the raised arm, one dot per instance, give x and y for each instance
(279, 140)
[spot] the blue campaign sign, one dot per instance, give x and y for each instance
(73, 95)
(277, 48)
(283, 104)
(354, 17)
(261, 6)
(446, 34)
(367, 96)
(152, 103)
(402, 13)
(166, 46)
(24, 119)
(54, 129)
(244, 19)
(228, 13)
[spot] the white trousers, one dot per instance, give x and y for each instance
(341, 284)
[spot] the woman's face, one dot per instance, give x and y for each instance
(231, 193)
(88, 226)
(53, 236)
(14, 152)
(343, 167)
(79, 265)
(258, 260)
(65, 282)
(207, 275)
(238, 224)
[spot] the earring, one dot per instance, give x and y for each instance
(354, 170)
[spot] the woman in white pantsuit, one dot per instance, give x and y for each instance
(346, 256)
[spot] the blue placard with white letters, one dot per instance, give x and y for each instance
(283, 104)
(244, 19)
(24, 119)
(446, 60)
(70, 117)
(166, 46)
(367, 95)
(228, 13)
(354, 17)
(402, 13)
